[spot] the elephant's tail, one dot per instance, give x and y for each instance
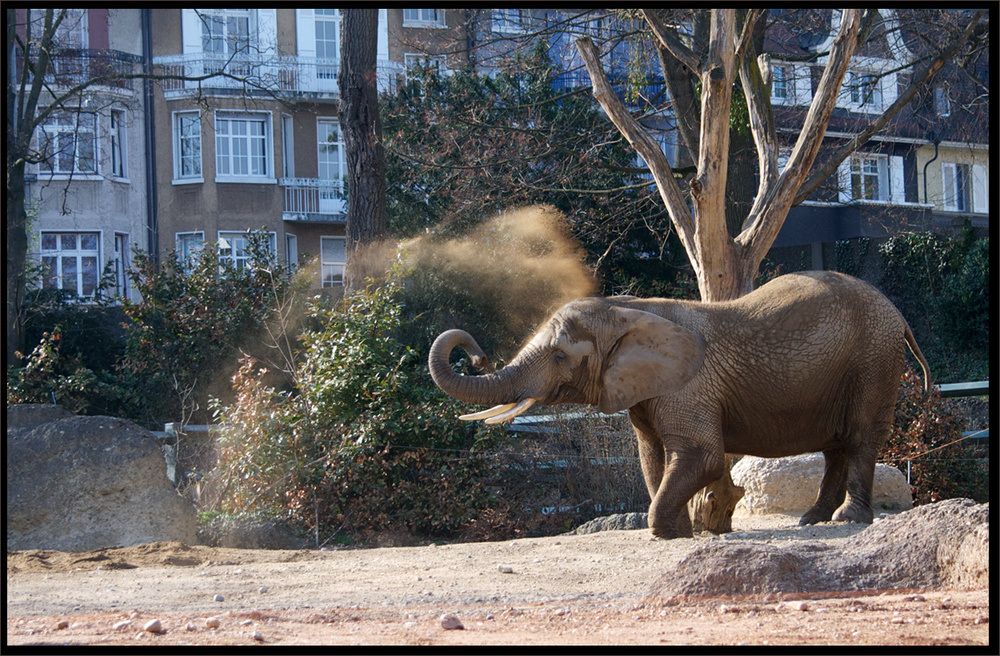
(912, 343)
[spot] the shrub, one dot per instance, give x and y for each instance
(928, 434)
(364, 443)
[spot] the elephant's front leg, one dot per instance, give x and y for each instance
(690, 464)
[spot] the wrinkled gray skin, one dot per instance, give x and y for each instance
(809, 362)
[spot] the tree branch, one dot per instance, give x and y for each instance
(644, 144)
(770, 208)
(669, 39)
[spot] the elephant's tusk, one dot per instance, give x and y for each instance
(523, 405)
(486, 414)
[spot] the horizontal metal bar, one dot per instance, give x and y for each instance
(975, 388)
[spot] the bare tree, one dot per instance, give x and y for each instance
(721, 46)
(362, 130)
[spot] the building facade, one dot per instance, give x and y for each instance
(241, 133)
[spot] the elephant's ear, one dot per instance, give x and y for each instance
(654, 356)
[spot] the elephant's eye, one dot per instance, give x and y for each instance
(559, 356)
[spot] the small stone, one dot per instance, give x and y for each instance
(505, 569)
(212, 622)
(191, 626)
(62, 624)
(262, 589)
(246, 622)
(119, 626)
(219, 597)
(152, 626)
(797, 605)
(450, 622)
(410, 625)
(258, 636)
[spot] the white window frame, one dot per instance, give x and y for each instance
(235, 241)
(287, 146)
(424, 18)
(942, 101)
(73, 30)
(181, 142)
(332, 269)
(70, 128)
(229, 43)
(118, 145)
(237, 146)
(54, 252)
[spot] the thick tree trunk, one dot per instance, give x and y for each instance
(362, 132)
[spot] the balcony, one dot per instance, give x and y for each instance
(285, 76)
(70, 68)
(311, 200)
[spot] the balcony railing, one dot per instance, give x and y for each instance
(312, 199)
(69, 68)
(285, 75)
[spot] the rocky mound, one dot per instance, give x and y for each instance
(940, 545)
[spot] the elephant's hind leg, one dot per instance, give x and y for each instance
(831, 491)
(860, 478)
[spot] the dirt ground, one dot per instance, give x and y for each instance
(564, 590)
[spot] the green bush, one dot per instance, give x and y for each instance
(364, 444)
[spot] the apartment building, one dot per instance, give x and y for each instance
(260, 148)
(89, 193)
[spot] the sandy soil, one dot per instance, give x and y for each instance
(574, 589)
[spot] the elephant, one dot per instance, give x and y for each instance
(809, 362)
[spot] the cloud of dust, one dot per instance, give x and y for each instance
(524, 263)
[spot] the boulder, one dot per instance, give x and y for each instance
(617, 522)
(790, 485)
(81, 483)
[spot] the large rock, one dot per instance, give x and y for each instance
(80, 483)
(945, 544)
(790, 485)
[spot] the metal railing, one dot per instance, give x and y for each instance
(280, 75)
(312, 199)
(68, 68)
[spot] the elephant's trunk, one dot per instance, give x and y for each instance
(500, 388)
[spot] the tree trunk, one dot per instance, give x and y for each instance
(362, 133)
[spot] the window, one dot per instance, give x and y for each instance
(866, 91)
(942, 101)
(119, 164)
(327, 22)
(187, 147)
(242, 146)
(69, 261)
(782, 85)
(423, 18)
(415, 64)
(866, 179)
(957, 180)
(225, 32)
(508, 21)
(330, 157)
(121, 265)
(333, 259)
(291, 250)
(234, 248)
(68, 143)
(72, 31)
(287, 146)
(188, 246)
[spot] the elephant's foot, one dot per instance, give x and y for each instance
(665, 530)
(854, 512)
(814, 516)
